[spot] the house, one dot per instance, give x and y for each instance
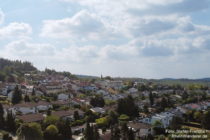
(145, 93)
(61, 103)
(30, 108)
(63, 96)
(176, 112)
(132, 90)
(75, 102)
(112, 91)
(141, 130)
(31, 118)
(164, 118)
(75, 88)
(90, 88)
(39, 93)
(27, 89)
(3, 91)
(193, 107)
(102, 92)
(146, 120)
(102, 83)
(116, 84)
(52, 88)
(43, 106)
(182, 109)
(69, 114)
(24, 108)
(98, 110)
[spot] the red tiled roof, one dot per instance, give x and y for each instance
(31, 118)
(30, 104)
(64, 113)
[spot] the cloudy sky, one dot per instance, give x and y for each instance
(127, 38)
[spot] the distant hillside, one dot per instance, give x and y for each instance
(11, 70)
(204, 79)
(183, 81)
(86, 76)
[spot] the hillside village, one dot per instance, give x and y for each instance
(62, 106)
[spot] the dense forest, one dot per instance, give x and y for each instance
(13, 70)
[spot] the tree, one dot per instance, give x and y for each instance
(151, 98)
(50, 120)
(26, 98)
(115, 133)
(51, 132)
(17, 96)
(91, 133)
(145, 109)
(33, 92)
(2, 121)
(64, 129)
(127, 106)
(142, 87)
(2, 76)
(96, 135)
(131, 135)
(124, 118)
(113, 118)
(6, 136)
(31, 131)
(206, 120)
(185, 95)
(102, 122)
(90, 116)
(49, 112)
(175, 123)
(88, 134)
(163, 104)
(10, 122)
(124, 130)
(97, 102)
(197, 116)
(76, 115)
(157, 126)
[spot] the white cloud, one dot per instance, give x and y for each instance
(15, 30)
(123, 38)
(83, 23)
(25, 49)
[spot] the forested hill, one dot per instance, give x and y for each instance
(10, 70)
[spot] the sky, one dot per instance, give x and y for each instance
(119, 38)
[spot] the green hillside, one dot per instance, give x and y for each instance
(11, 71)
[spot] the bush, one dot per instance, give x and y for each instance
(123, 117)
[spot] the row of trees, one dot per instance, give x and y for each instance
(52, 128)
(200, 117)
(121, 132)
(7, 123)
(97, 102)
(8, 68)
(33, 131)
(127, 106)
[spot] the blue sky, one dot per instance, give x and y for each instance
(135, 38)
